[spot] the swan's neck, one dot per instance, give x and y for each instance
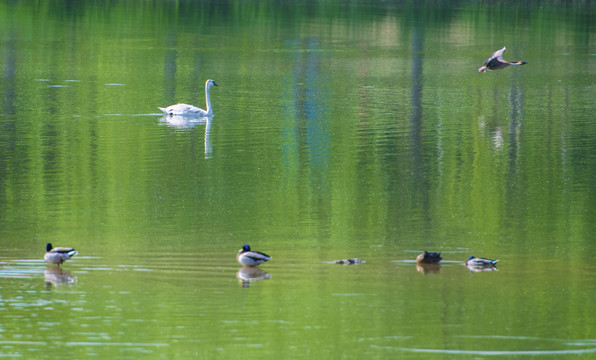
(208, 99)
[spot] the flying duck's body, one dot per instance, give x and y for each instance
(496, 62)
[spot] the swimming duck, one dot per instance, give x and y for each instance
(247, 257)
(496, 62)
(58, 255)
(354, 261)
(428, 257)
(185, 109)
(480, 262)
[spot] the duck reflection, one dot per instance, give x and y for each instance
(428, 268)
(55, 276)
(247, 275)
(188, 122)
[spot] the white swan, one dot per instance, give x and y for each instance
(185, 109)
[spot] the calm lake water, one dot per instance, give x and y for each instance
(341, 129)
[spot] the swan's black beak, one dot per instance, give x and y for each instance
(215, 84)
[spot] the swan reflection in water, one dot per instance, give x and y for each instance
(55, 276)
(247, 275)
(182, 122)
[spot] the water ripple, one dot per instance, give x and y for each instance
(502, 352)
(123, 344)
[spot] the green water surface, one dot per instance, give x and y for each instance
(341, 129)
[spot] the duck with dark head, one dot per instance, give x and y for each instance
(496, 62)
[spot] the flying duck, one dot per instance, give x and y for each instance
(496, 62)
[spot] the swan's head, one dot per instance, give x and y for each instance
(210, 83)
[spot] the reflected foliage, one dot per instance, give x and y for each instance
(343, 129)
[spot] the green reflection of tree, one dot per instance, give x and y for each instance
(464, 164)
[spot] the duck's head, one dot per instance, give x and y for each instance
(49, 247)
(245, 248)
(471, 257)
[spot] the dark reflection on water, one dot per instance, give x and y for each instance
(419, 166)
(9, 73)
(428, 268)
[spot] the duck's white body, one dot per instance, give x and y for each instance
(58, 255)
(247, 257)
(478, 262)
(185, 109)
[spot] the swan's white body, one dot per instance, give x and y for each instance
(185, 109)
